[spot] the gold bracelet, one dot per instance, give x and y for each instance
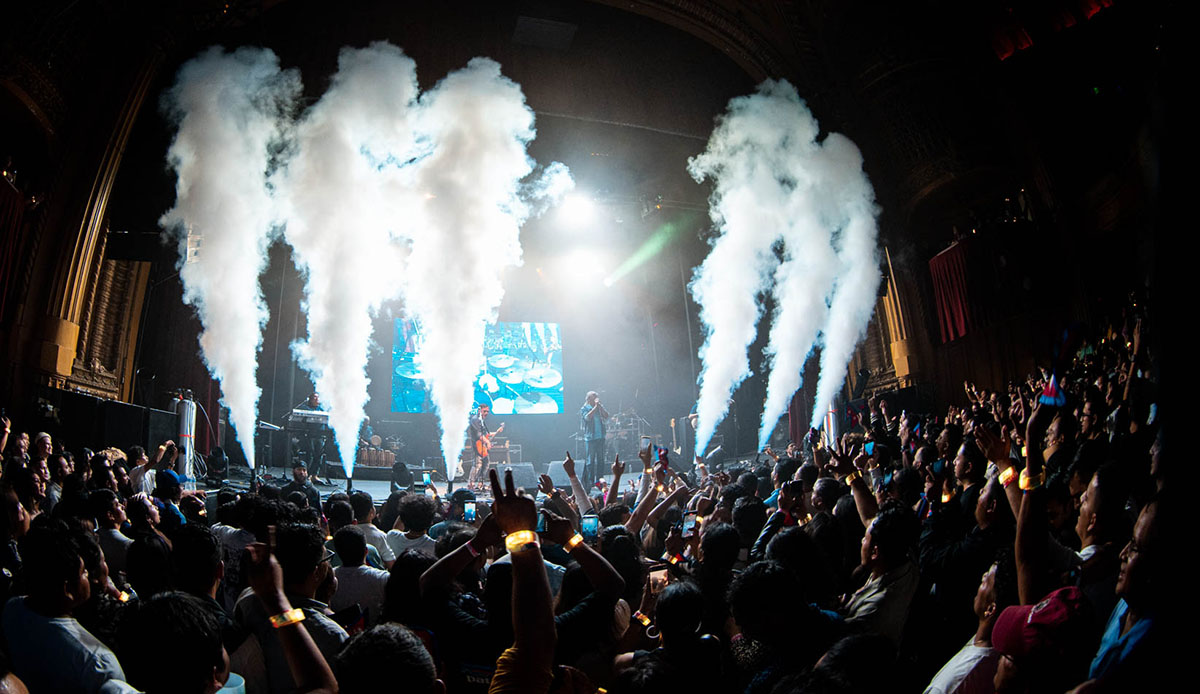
(852, 476)
(1007, 476)
(573, 542)
(1027, 483)
(288, 618)
(520, 540)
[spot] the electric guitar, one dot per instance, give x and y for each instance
(484, 443)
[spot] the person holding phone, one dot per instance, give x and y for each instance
(593, 420)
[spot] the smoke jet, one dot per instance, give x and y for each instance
(467, 228)
(228, 109)
(794, 215)
(345, 211)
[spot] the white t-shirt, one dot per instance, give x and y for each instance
(970, 671)
(141, 478)
(360, 585)
(56, 654)
(398, 543)
(377, 539)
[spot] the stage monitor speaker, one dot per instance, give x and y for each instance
(123, 424)
(161, 426)
(523, 475)
(557, 475)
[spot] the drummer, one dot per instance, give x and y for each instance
(366, 433)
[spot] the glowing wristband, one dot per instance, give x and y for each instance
(1007, 476)
(641, 618)
(288, 618)
(946, 497)
(520, 540)
(123, 597)
(672, 558)
(1027, 483)
(573, 542)
(660, 487)
(648, 471)
(849, 479)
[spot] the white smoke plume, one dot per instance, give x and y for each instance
(346, 221)
(858, 279)
(228, 108)
(467, 227)
(796, 216)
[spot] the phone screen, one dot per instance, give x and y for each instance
(645, 443)
(689, 524)
(428, 480)
(541, 524)
(469, 511)
(658, 581)
(869, 448)
(591, 527)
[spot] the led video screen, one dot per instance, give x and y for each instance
(522, 371)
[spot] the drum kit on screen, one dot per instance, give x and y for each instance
(519, 386)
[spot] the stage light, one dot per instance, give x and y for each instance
(577, 209)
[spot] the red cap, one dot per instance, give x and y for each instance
(1057, 624)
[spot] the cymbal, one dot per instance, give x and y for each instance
(535, 403)
(502, 406)
(543, 377)
(501, 361)
(512, 375)
(409, 370)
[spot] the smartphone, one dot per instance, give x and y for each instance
(469, 511)
(869, 448)
(658, 581)
(427, 479)
(645, 444)
(590, 526)
(939, 467)
(689, 524)
(541, 523)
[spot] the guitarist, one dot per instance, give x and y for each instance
(482, 441)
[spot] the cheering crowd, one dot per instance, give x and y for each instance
(1015, 542)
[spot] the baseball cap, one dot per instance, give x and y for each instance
(1054, 626)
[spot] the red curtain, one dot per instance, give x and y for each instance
(949, 271)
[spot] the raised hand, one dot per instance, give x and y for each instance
(488, 533)
(512, 511)
(558, 529)
(618, 468)
(996, 448)
(545, 485)
(263, 572)
(569, 465)
(841, 461)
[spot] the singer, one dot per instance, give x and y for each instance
(593, 420)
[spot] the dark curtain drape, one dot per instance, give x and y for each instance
(950, 292)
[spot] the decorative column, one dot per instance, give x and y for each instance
(60, 341)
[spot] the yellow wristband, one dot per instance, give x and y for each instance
(1027, 483)
(520, 540)
(641, 618)
(288, 618)
(1007, 476)
(946, 497)
(573, 542)
(852, 476)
